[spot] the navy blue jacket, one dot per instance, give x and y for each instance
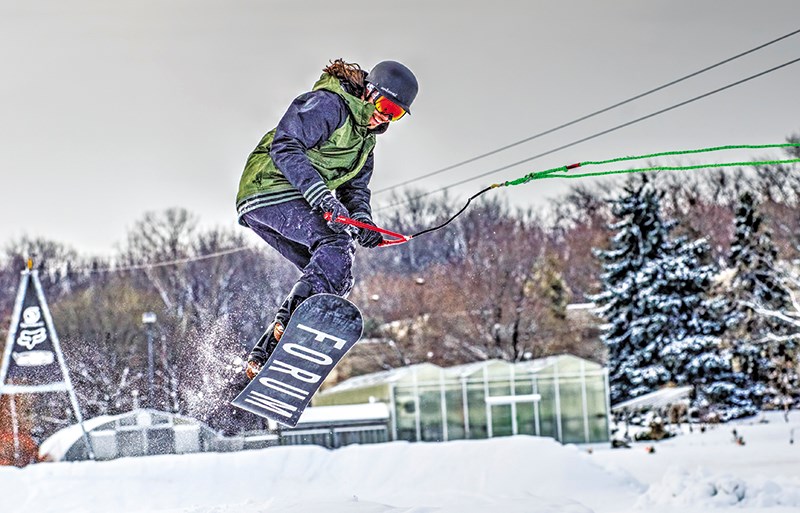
(309, 121)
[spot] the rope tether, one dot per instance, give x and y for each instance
(563, 172)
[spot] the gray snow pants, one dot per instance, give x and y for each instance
(302, 236)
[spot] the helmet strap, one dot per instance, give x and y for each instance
(371, 93)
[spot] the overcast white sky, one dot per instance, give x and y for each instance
(111, 109)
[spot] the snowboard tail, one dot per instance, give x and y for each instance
(320, 332)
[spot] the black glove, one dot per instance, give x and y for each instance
(329, 203)
(365, 237)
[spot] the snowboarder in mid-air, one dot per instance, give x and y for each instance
(319, 160)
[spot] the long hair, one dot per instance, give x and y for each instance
(350, 74)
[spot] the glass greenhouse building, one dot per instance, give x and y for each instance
(563, 397)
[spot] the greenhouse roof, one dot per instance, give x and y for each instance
(540, 364)
(468, 369)
(455, 372)
(379, 378)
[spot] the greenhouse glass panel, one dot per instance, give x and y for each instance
(548, 423)
(596, 402)
(501, 414)
(430, 406)
(572, 419)
(405, 401)
(501, 420)
(455, 412)
(526, 419)
(476, 401)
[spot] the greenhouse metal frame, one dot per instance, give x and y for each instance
(563, 397)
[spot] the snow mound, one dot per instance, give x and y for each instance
(708, 490)
(512, 475)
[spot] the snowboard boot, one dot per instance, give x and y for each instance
(269, 340)
(264, 347)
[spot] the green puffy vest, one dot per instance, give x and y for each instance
(337, 160)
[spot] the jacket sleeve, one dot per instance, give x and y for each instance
(355, 194)
(309, 122)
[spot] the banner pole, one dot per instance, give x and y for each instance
(12, 332)
(14, 427)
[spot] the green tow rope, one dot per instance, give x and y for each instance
(563, 171)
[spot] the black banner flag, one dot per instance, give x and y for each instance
(32, 360)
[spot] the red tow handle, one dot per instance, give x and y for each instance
(398, 238)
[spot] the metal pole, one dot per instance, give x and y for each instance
(14, 426)
(393, 415)
(535, 388)
(489, 427)
(148, 319)
(444, 404)
(465, 400)
(514, 425)
(417, 414)
(585, 402)
(150, 374)
(12, 332)
(559, 432)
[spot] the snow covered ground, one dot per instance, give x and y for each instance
(697, 472)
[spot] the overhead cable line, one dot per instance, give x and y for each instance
(587, 116)
(593, 136)
(179, 261)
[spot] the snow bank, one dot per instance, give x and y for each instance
(514, 475)
(702, 489)
(695, 472)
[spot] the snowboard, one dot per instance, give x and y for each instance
(320, 332)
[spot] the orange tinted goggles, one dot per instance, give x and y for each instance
(389, 108)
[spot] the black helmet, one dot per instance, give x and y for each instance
(394, 81)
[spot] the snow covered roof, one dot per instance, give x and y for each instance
(57, 445)
(564, 360)
(379, 378)
(539, 363)
(427, 372)
(468, 369)
(657, 399)
(60, 442)
(327, 415)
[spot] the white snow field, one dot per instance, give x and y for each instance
(693, 473)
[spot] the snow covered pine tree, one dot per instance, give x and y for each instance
(662, 328)
(762, 349)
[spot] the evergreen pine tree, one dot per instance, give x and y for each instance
(639, 240)
(755, 282)
(662, 326)
(692, 350)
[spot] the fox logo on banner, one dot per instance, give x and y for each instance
(31, 357)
